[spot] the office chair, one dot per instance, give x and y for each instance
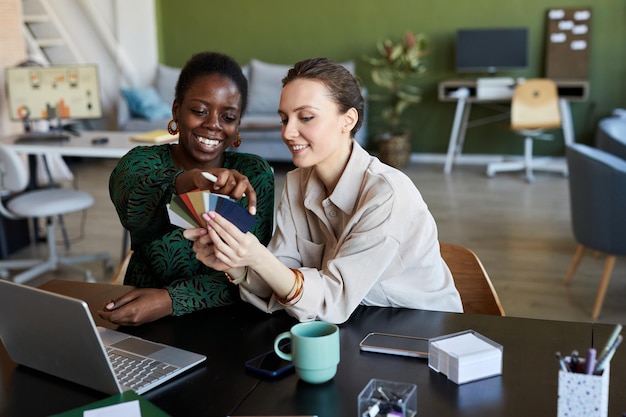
(471, 280)
(40, 203)
(611, 136)
(597, 182)
(534, 109)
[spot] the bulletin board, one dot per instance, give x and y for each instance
(568, 35)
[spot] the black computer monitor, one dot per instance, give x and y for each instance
(55, 92)
(491, 50)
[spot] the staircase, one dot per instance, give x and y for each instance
(47, 41)
(116, 35)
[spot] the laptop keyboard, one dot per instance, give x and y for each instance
(136, 371)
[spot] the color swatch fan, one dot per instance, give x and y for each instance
(186, 210)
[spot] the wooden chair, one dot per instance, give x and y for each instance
(472, 281)
(121, 270)
(534, 109)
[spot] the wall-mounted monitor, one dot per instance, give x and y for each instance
(491, 50)
(65, 92)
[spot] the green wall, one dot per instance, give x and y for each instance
(284, 31)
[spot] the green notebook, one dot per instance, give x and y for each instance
(147, 408)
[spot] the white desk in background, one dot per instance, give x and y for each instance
(463, 91)
(117, 145)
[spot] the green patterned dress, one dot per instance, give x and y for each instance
(140, 186)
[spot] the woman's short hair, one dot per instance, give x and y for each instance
(343, 86)
(208, 63)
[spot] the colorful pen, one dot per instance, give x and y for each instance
(590, 361)
(574, 361)
(561, 362)
(610, 341)
(606, 359)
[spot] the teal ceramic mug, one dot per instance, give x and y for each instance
(314, 350)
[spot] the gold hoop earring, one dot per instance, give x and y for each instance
(237, 140)
(172, 130)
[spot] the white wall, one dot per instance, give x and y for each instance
(12, 52)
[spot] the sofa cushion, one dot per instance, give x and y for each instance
(145, 102)
(265, 85)
(165, 82)
(261, 121)
(245, 69)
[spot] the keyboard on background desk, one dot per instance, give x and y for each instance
(42, 137)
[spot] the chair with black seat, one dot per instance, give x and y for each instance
(47, 203)
(611, 136)
(534, 109)
(597, 185)
(471, 280)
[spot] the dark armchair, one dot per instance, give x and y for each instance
(597, 184)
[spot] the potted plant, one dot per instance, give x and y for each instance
(394, 73)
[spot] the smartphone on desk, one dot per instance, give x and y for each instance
(269, 364)
(395, 344)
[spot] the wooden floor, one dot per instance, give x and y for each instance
(520, 231)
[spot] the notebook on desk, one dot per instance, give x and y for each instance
(56, 334)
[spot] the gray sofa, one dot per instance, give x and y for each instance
(260, 127)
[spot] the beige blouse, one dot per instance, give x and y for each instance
(372, 242)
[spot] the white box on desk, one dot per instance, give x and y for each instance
(500, 88)
(465, 356)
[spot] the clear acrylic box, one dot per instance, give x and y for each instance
(381, 398)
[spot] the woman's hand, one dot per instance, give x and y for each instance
(229, 182)
(139, 306)
(204, 249)
(222, 246)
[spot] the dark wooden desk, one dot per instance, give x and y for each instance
(527, 387)
(229, 336)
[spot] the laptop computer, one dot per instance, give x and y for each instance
(57, 335)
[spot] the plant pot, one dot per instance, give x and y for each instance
(395, 150)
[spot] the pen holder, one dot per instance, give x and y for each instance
(583, 395)
(382, 398)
